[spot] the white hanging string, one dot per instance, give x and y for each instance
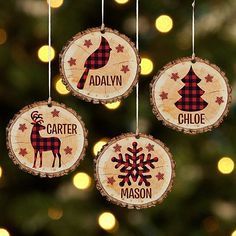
(103, 13)
(137, 86)
(193, 31)
(49, 53)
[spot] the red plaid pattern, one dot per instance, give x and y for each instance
(41, 144)
(191, 94)
(134, 166)
(95, 61)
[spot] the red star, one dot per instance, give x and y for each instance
(111, 180)
(23, 152)
(160, 176)
(72, 61)
(219, 100)
(120, 48)
(68, 150)
(164, 95)
(88, 43)
(125, 69)
(22, 127)
(175, 76)
(117, 148)
(209, 78)
(55, 113)
(150, 147)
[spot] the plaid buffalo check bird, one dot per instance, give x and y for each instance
(96, 60)
(191, 94)
(41, 144)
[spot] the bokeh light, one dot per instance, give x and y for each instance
(113, 105)
(82, 181)
(121, 1)
(43, 53)
(146, 66)
(4, 232)
(61, 88)
(3, 36)
(55, 3)
(107, 221)
(55, 213)
(233, 233)
(0, 172)
(164, 23)
(225, 165)
(98, 146)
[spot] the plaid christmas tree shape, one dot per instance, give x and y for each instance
(191, 94)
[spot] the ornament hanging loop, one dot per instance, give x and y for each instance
(103, 28)
(193, 32)
(103, 13)
(137, 86)
(50, 102)
(49, 55)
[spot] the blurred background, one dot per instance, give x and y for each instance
(202, 201)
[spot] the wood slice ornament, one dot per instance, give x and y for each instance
(192, 97)
(134, 172)
(48, 141)
(100, 67)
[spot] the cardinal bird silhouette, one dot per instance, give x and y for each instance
(96, 60)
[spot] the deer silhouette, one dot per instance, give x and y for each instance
(41, 144)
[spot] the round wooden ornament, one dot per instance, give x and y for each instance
(191, 96)
(48, 141)
(134, 172)
(100, 67)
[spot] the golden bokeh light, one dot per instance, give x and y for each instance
(98, 146)
(225, 165)
(43, 53)
(61, 88)
(55, 213)
(146, 66)
(107, 221)
(121, 1)
(55, 3)
(4, 232)
(113, 105)
(164, 23)
(0, 172)
(82, 181)
(233, 233)
(3, 36)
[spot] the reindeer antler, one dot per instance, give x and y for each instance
(34, 114)
(36, 117)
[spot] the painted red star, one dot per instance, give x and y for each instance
(111, 180)
(209, 78)
(164, 95)
(125, 69)
(88, 43)
(55, 113)
(150, 147)
(120, 48)
(23, 152)
(22, 127)
(72, 61)
(175, 76)
(117, 148)
(160, 176)
(68, 150)
(219, 100)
